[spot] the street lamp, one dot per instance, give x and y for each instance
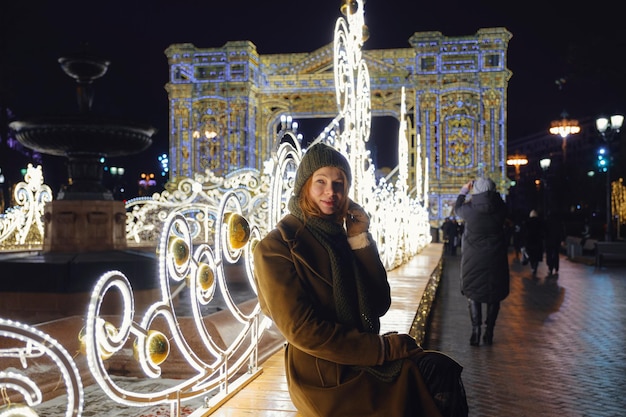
(608, 129)
(545, 165)
(517, 161)
(564, 127)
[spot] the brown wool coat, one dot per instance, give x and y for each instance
(295, 290)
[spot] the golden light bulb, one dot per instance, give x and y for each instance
(179, 250)
(17, 410)
(205, 277)
(238, 230)
(104, 354)
(157, 347)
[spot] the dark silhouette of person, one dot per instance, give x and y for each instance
(484, 254)
(450, 229)
(534, 231)
(554, 239)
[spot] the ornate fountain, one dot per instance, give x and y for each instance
(84, 217)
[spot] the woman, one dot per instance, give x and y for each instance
(484, 254)
(321, 281)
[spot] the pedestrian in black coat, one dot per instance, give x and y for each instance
(450, 230)
(555, 236)
(484, 258)
(534, 234)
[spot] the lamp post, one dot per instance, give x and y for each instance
(608, 129)
(517, 161)
(545, 165)
(564, 127)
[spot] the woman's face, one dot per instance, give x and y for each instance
(327, 189)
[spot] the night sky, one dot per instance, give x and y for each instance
(584, 46)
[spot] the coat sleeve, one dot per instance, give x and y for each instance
(288, 299)
(459, 209)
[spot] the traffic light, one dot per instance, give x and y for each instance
(603, 160)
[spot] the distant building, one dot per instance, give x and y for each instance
(226, 104)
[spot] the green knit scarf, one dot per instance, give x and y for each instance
(351, 299)
(349, 293)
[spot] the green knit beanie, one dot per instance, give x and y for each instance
(318, 156)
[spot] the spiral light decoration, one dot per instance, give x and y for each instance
(33, 344)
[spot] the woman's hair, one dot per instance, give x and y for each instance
(309, 208)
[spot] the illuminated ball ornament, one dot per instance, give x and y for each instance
(111, 331)
(238, 230)
(349, 6)
(365, 33)
(157, 347)
(179, 250)
(17, 410)
(205, 277)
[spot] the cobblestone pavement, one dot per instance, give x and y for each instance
(558, 345)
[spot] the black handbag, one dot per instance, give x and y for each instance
(442, 376)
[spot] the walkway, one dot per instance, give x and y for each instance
(558, 346)
(558, 343)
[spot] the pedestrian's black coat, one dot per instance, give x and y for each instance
(533, 239)
(484, 264)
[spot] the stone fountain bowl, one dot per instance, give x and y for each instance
(83, 134)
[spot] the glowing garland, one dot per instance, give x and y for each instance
(37, 344)
(21, 227)
(202, 273)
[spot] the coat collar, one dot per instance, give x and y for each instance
(305, 248)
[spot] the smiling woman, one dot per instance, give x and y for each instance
(321, 281)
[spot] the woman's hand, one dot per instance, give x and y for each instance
(467, 188)
(357, 220)
(400, 346)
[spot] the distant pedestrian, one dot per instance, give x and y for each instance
(517, 240)
(554, 239)
(450, 229)
(484, 258)
(586, 232)
(533, 240)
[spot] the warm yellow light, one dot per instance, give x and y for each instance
(180, 251)
(17, 410)
(517, 160)
(205, 276)
(238, 230)
(157, 347)
(104, 353)
(564, 127)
